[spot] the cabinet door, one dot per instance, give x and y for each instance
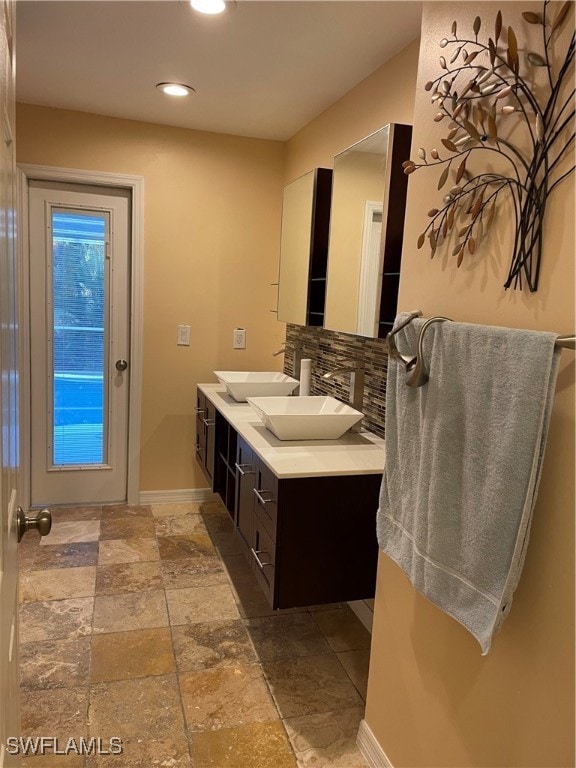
(210, 434)
(263, 553)
(266, 495)
(200, 430)
(245, 476)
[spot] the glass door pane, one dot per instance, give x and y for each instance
(78, 299)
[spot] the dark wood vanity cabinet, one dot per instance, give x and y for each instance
(205, 435)
(309, 540)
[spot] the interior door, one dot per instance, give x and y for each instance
(9, 402)
(79, 318)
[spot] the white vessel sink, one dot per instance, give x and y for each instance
(243, 384)
(305, 418)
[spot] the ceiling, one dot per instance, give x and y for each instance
(262, 69)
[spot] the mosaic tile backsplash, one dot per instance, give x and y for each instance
(328, 350)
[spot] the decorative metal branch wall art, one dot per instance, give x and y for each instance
(481, 89)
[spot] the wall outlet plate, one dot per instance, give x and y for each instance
(239, 338)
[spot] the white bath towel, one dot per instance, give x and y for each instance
(463, 461)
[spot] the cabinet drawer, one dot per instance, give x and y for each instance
(266, 495)
(263, 553)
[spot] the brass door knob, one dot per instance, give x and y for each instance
(42, 522)
(121, 365)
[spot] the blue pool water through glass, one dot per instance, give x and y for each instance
(78, 301)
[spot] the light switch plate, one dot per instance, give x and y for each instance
(183, 336)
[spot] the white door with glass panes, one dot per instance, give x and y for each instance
(79, 317)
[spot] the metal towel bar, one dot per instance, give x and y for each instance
(415, 364)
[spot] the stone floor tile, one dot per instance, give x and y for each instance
(73, 555)
(343, 629)
(226, 697)
(128, 577)
(116, 551)
(249, 597)
(64, 532)
(206, 645)
(36, 586)
(55, 663)
(127, 528)
(146, 754)
(286, 636)
(69, 514)
(171, 510)
(310, 685)
(180, 525)
(147, 708)
(356, 664)
(114, 511)
(60, 712)
(52, 760)
(56, 619)
(185, 546)
(324, 607)
(216, 518)
(126, 655)
(200, 604)
(258, 745)
(199, 571)
(137, 610)
(327, 740)
(226, 542)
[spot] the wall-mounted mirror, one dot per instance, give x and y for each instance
(304, 248)
(366, 229)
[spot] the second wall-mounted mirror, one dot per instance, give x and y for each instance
(366, 229)
(304, 248)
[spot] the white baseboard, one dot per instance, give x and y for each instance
(364, 612)
(371, 750)
(180, 496)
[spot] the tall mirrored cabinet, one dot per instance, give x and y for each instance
(304, 248)
(366, 231)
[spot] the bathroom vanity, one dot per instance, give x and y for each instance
(304, 511)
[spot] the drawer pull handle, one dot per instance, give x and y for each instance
(261, 500)
(208, 422)
(199, 410)
(257, 552)
(245, 469)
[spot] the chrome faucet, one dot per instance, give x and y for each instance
(298, 354)
(356, 370)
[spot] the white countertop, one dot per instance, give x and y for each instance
(352, 454)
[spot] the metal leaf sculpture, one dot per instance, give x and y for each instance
(479, 89)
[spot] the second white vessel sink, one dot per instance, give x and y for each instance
(305, 418)
(243, 384)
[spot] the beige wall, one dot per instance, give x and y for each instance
(386, 96)
(212, 234)
(433, 700)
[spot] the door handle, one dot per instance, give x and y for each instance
(42, 522)
(121, 365)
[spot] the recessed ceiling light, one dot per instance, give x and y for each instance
(208, 6)
(175, 89)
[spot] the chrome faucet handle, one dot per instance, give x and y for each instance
(279, 351)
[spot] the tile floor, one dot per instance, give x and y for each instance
(146, 623)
